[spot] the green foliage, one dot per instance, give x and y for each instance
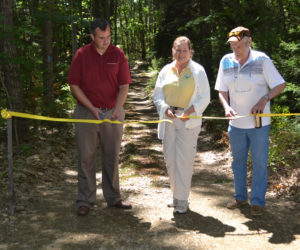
(221, 181)
(284, 140)
(26, 149)
(156, 66)
(136, 23)
(287, 59)
(27, 35)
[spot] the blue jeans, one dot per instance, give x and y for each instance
(258, 141)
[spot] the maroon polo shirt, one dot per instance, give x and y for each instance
(99, 76)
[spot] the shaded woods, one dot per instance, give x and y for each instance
(39, 38)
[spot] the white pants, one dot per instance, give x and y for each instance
(180, 147)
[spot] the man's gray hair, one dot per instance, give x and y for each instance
(246, 39)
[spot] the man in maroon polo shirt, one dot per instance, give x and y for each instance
(99, 78)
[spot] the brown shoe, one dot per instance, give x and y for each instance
(236, 204)
(256, 210)
(83, 210)
(121, 205)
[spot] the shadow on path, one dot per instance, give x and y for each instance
(283, 226)
(202, 224)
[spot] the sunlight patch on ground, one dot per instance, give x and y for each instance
(72, 176)
(156, 147)
(82, 239)
(212, 158)
(71, 172)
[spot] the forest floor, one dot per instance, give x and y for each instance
(46, 187)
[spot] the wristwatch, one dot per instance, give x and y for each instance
(267, 97)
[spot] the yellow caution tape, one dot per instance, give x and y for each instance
(286, 114)
(216, 117)
(9, 114)
(241, 116)
(5, 114)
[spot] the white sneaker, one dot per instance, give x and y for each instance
(181, 207)
(173, 203)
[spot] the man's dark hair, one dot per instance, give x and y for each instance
(100, 23)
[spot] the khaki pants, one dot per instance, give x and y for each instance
(88, 137)
(180, 147)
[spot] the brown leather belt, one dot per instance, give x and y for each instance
(105, 109)
(176, 108)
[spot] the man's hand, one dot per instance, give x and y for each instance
(123, 91)
(82, 98)
(115, 116)
(259, 107)
(229, 112)
(97, 113)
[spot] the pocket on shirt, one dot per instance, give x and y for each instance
(243, 86)
(111, 67)
(243, 83)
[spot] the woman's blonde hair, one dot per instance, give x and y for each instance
(182, 39)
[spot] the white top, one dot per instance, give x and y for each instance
(247, 84)
(200, 98)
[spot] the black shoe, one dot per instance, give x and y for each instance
(121, 205)
(83, 210)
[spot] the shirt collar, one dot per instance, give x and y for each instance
(95, 50)
(250, 57)
(187, 67)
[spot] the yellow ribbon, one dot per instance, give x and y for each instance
(5, 114)
(9, 114)
(241, 116)
(216, 117)
(285, 114)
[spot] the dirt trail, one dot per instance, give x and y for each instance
(45, 218)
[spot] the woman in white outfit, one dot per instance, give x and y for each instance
(181, 90)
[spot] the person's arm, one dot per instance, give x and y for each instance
(260, 105)
(123, 92)
(202, 94)
(81, 97)
(158, 97)
(224, 99)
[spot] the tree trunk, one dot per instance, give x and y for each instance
(96, 9)
(115, 13)
(105, 9)
(74, 28)
(121, 25)
(11, 69)
(282, 16)
(48, 60)
(142, 32)
(205, 43)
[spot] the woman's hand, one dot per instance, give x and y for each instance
(188, 112)
(183, 117)
(170, 114)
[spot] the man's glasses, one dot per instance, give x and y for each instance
(238, 33)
